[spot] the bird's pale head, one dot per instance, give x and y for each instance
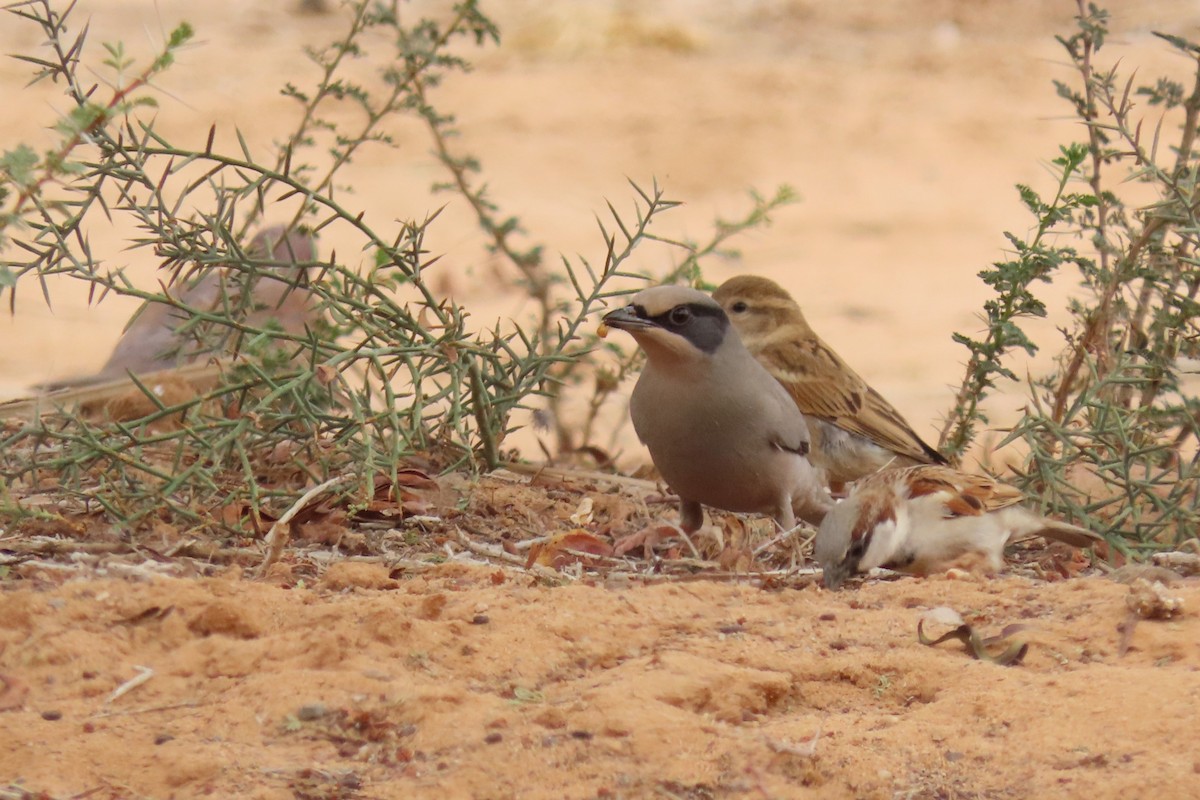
(758, 306)
(836, 548)
(857, 534)
(673, 323)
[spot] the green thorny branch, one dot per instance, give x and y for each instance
(1035, 260)
(1112, 435)
(389, 377)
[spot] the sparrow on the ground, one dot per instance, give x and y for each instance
(855, 432)
(720, 430)
(928, 518)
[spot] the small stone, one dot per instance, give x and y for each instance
(52, 716)
(311, 712)
(494, 738)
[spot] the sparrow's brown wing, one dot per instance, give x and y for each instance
(824, 387)
(964, 495)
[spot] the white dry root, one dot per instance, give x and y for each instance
(1151, 600)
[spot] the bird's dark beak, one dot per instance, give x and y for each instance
(627, 319)
(834, 575)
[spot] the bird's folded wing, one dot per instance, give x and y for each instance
(962, 494)
(824, 387)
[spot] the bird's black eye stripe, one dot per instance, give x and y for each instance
(684, 313)
(739, 307)
(858, 548)
(701, 324)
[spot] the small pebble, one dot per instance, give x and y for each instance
(494, 738)
(163, 738)
(311, 712)
(584, 735)
(480, 619)
(52, 716)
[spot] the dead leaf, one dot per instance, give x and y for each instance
(324, 374)
(647, 538)
(235, 515)
(413, 492)
(583, 514)
(574, 546)
(976, 645)
(283, 452)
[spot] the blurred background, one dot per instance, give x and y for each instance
(903, 127)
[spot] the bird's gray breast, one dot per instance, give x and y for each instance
(718, 441)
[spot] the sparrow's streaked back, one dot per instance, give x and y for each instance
(855, 431)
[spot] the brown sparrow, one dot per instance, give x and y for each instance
(924, 519)
(854, 430)
(720, 430)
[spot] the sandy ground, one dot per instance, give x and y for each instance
(904, 128)
(467, 682)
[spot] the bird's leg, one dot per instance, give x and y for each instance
(785, 518)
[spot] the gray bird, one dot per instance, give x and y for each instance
(720, 430)
(156, 337)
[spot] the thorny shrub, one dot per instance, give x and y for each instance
(1111, 433)
(395, 369)
(391, 368)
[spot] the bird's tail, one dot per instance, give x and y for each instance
(1026, 525)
